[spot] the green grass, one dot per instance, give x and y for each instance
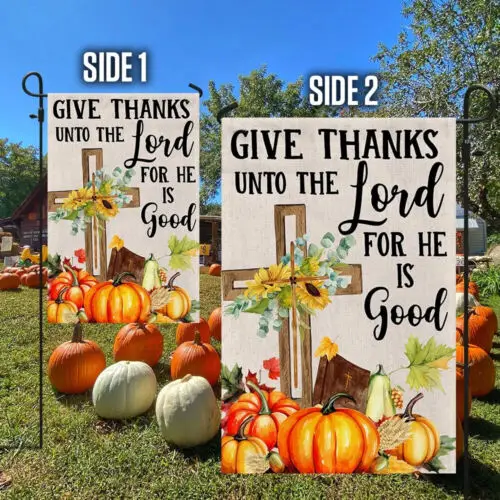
(85, 458)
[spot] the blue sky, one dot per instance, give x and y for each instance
(193, 41)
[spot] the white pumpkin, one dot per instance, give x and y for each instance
(124, 390)
(187, 412)
(473, 302)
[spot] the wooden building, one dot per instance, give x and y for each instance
(210, 234)
(26, 218)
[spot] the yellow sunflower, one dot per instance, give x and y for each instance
(106, 206)
(77, 199)
(312, 294)
(310, 267)
(258, 288)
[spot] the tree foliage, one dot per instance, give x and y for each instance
(19, 174)
(447, 46)
(260, 95)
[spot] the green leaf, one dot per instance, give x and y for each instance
(313, 250)
(277, 324)
(183, 246)
(259, 307)
(71, 215)
(283, 312)
(195, 305)
(425, 363)
(327, 240)
(231, 380)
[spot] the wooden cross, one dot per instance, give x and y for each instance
(230, 291)
(95, 234)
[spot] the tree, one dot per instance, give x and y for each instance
(19, 174)
(260, 95)
(447, 46)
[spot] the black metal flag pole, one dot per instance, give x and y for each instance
(466, 154)
(41, 117)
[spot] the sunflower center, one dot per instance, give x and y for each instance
(107, 204)
(312, 290)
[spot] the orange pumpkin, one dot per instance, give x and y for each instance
(78, 283)
(459, 278)
(185, 331)
(481, 371)
(196, 358)
(74, 366)
(60, 310)
(490, 315)
(215, 323)
(459, 443)
(116, 302)
(9, 281)
(214, 270)
(32, 279)
(328, 440)
(268, 411)
(473, 288)
(9, 270)
(138, 342)
(423, 444)
(480, 331)
(179, 302)
(461, 393)
(240, 453)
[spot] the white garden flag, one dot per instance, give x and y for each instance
(339, 291)
(123, 181)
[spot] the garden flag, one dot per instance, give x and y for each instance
(123, 181)
(338, 329)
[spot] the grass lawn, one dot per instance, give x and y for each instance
(86, 458)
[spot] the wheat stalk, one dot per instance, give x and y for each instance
(394, 432)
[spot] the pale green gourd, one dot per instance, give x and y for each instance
(124, 390)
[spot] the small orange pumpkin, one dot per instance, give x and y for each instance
(9, 281)
(268, 411)
(215, 323)
(328, 440)
(179, 302)
(116, 302)
(185, 331)
(480, 331)
(240, 453)
(214, 270)
(423, 444)
(481, 372)
(196, 358)
(78, 283)
(60, 310)
(138, 342)
(74, 366)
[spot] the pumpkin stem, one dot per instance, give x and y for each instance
(170, 284)
(380, 370)
(73, 274)
(197, 337)
(77, 333)
(408, 413)
(264, 406)
(329, 406)
(59, 299)
(118, 279)
(240, 435)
